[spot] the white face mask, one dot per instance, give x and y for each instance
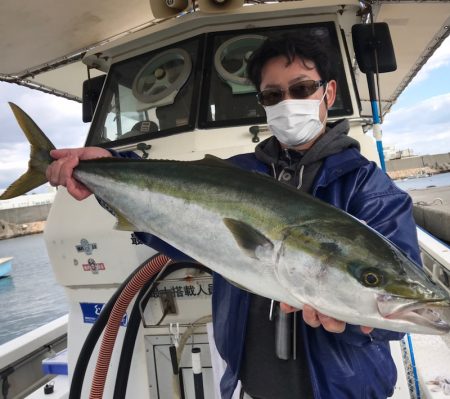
(295, 122)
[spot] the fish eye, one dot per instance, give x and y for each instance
(366, 275)
(371, 278)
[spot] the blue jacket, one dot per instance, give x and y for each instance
(351, 364)
(342, 366)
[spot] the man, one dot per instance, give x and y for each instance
(296, 85)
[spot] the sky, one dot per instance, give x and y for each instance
(420, 119)
(59, 119)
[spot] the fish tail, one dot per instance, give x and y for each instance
(40, 158)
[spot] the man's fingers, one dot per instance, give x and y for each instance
(315, 319)
(93, 152)
(59, 173)
(63, 152)
(366, 330)
(52, 174)
(330, 324)
(287, 308)
(310, 316)
(67, 168)
(77, 190)
(81, 153)
(61, 170)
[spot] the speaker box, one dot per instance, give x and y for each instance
(169, 8)
(217, 6)
(91, 93)
(367, 42)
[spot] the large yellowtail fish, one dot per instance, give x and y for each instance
(258, 233)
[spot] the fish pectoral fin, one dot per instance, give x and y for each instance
(250, 240)
(123, 223)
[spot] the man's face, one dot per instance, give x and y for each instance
(276, 73)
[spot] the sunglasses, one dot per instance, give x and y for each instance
(297, 91)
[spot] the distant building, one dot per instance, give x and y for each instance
(391, 153)
(28, 200)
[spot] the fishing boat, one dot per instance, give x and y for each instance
(166, 79)
(5, 267)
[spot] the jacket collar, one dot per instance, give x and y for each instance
(337, 165)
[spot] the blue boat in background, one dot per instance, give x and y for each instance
(5, 266)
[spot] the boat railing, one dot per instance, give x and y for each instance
(21, 358)
(435, 258)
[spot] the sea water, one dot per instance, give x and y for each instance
(440, 180)
(31, 297)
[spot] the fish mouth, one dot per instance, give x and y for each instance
(414, 311)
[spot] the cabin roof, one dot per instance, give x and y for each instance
(42, 43)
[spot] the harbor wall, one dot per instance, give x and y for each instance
(21, 221)
(10, 230)
(413, 166)
(27, 214)
(432, 204)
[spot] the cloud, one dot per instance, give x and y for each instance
(59, 119)
(440, 58)
(14, 162)
(424, 127)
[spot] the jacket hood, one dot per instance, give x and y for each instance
(304, 165)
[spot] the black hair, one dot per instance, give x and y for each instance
(306, 47)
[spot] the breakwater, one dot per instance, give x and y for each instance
(11, 230)
(431, 203)
(418, 166)
(16, 222)
(26, 214)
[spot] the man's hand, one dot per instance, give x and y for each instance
(59, 173)
(316, 319)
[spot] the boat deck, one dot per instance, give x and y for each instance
(432, 357)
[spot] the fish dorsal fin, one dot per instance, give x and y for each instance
(212, 160)
(250, 240)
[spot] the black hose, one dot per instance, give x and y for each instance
(129, 340)
(94, 335)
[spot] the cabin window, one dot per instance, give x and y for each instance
(149, 96)
(229, 99)
(200, 82)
